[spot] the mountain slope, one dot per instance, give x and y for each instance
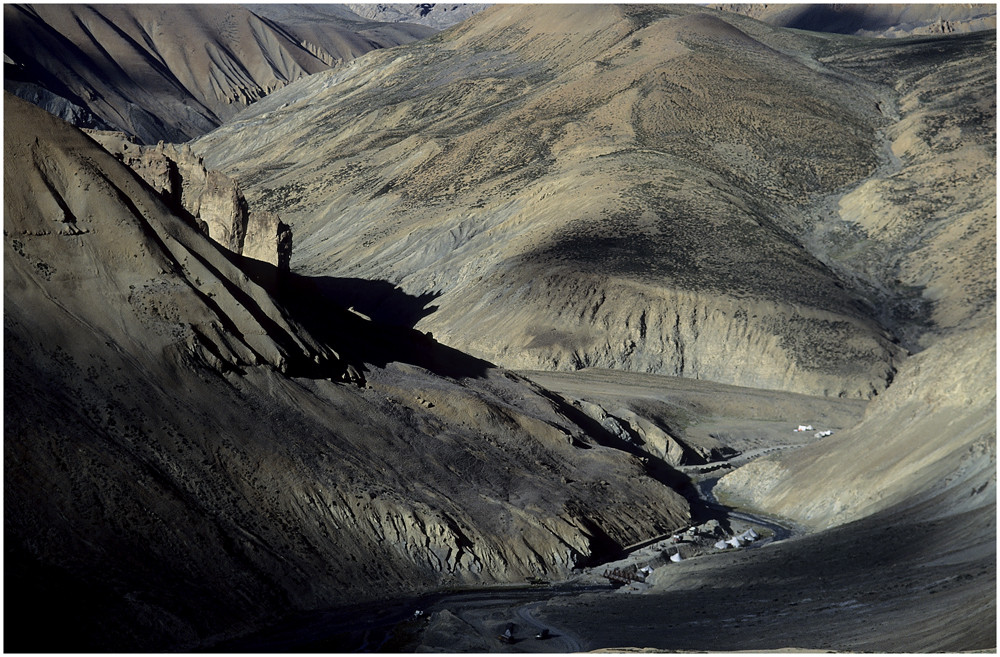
(871, 20)
(588, 186)
(336, 34)
(173, 72)
(930, 440)
(437, 15)
(928, 257)
(182, 461)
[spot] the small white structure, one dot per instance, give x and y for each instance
(823, 434)
(749, 536)
(676, 557)
(722, 545)
(805, 427)
(735, 542)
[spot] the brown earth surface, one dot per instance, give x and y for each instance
(621, 187)
(172, 72)
(914, 574)
(186, 457)
(197, 460)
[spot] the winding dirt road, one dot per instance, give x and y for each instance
(558, 637)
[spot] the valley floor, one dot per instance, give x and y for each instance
(878, 584)
(875, 585)
(882, 584)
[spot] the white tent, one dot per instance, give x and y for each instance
(676, 556)
(722, 545)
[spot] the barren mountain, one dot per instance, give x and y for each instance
(172, 72)
(638, 188)
(503, 181)
(181, 458)
(205, 451)
(874, 20)
(439, 15)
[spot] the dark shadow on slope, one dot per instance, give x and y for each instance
(388, 336)
(79, 606)
(382, 301)
(837, 19)
(875, 585)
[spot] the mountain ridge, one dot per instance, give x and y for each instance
(172, 72)
(202, 452)
(172, 429)
(508, 157)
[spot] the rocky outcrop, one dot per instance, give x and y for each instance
(268, 240)
(645, 435)
(224, 209)
(212, 198)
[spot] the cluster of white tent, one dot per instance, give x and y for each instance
(808, 427)
(749, 536)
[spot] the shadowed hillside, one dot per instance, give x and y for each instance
(204, 452)
(880, 19)
(182, 462)
(172, 72)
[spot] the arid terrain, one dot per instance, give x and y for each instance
(619, 327)
(173, 72)
(874, 20)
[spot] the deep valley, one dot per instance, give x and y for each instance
(335, 328)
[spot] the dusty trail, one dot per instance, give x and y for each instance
(483, 613)
(486, 613)
(558, 636)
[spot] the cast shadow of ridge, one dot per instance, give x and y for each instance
(838, 19)
(383, 331)
(382, 301)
